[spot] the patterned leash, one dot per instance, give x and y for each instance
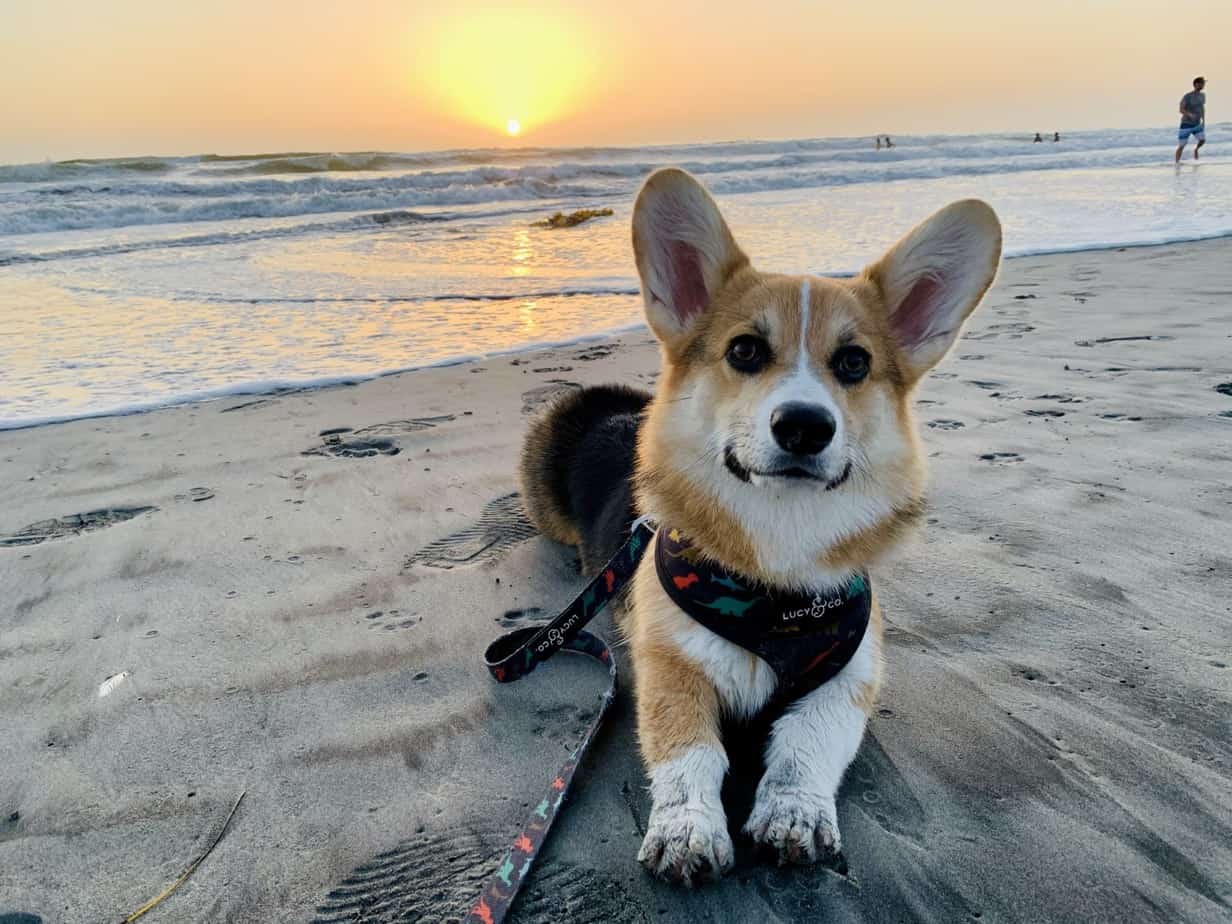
(514, 655)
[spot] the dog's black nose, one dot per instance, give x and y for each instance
(803, 429)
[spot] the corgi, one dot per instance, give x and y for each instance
(780, 460)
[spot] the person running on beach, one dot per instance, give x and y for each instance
(1193, 118)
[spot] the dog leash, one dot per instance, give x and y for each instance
(514, 655)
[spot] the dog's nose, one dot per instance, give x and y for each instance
(803, 429)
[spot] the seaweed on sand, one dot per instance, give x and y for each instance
(561, 220)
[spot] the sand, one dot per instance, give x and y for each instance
(245, 605)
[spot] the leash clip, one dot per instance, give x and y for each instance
(645, 520)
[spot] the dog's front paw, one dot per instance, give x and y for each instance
(686, 844)
(800, 828)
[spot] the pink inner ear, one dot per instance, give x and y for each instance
(913, 319)
(689, 296)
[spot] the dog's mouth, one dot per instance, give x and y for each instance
(745, 474)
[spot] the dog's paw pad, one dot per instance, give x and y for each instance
(798, 828)
(687, 845)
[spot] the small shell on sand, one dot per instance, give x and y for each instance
(109, 685)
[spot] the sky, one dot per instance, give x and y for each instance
(129, 77)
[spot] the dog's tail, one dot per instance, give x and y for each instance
(577, 465)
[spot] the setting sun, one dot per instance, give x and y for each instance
(483, 68)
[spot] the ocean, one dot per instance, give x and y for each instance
(132, 283)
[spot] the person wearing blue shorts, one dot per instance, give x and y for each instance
(1193, 118)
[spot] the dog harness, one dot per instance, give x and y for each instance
(805, 638)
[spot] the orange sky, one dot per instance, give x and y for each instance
(127, 77)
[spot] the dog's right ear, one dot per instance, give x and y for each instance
(684, 251)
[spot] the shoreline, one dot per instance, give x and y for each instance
(291, 386)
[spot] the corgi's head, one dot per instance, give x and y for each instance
(781, 436)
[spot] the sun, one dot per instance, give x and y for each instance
(510, 71)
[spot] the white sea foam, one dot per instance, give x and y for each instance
(37, 198)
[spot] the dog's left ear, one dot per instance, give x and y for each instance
(684, 251)
(933, 278)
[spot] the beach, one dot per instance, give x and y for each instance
(287, 596)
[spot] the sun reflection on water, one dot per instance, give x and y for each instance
(527, 315)
(523, 253)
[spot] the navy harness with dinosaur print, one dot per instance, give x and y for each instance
(805, 638)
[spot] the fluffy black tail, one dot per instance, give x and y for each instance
(577, 469)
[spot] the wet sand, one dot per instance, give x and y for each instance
(289, 597)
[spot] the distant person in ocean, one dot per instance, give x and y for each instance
(878, 142)
(1056, 136)
(1193, 118)
(1037, 139)
(889, 143)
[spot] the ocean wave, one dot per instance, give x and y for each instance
(56, 171)
(131, 192)
(222, 237)
(126, 205)
(581, 291)
(85, 212)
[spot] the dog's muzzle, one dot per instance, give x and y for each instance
(792, 472)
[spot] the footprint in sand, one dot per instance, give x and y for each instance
(513, 618)
(1044, 413)
(501, 525)
(341, 448)
(595, 352)
(196, 494)
(942, 424)
(1080, 297)
(543, 395)
(73, 525)
(391, 620)
(373, 440)
(1224, 388)
(1060, 398)
(398, 427)
(1014, 330)
(430, 876)
(1031, 675)
(1001, 458)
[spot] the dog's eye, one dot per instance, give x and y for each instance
(850, 364)
(748, 353)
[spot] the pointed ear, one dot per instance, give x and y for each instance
(684, 251)
(933, 278)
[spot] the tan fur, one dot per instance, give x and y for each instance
(750, 302)
(701, 293)
(677, 706)
(866, 698)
